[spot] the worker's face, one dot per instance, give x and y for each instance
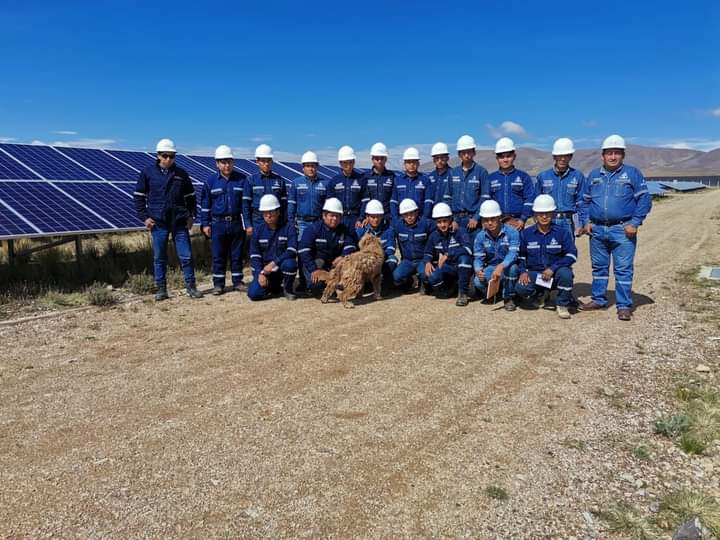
(411, 166)
(379, 163)
(347, 166)
(441, 161)
(310, 169)
(505, 160)
(544, 218)
(271, 217)
(443, 224)
(411, 217)
(467, 156)
(166, 159)
(562, 162)
(331, 219)
(491, 224)
(613, 158)
(265, 165)
(375, 220)
(225, 166)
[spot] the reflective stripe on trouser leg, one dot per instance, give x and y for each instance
(464, 273)
(563, 282)
(600, 261)
(623, 255)
(288, 268)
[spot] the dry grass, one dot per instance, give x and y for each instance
(627, 521)
(681, 506)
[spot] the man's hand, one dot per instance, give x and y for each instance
(441, 260)
(498, 272)
(587, 229)
(263, 280)
(336, 261)
(480, 274)
(579, 231)
(269, 267)
(190, 223)
(360, 223)
(517, 224)
(149, 223)
(472, 224)
(207, 231)
(249, 231)
(524, 278)
(547, 274)
(315, 276)
(630, 231)
(429, 269)
(455, 226)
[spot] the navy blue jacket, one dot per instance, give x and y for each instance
(306, 198)
(379, 187)
(320, 242)
(166, 196)
(419, 189)
(566, 189)
(413, 239)
(456, 245)
(221, 197)
(553, 250)
(440, 183)
(620, 196)
(260, 185)
(351, 190)
(467, 189)
(513, 191)
(268, 245)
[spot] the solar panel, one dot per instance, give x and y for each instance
(286, 172)
(205, 160)
(715, 273)
(9, 168)
(679, 185)
(247, 166)
(198, 172)
(100, 163)
(11, 225)
(326, 171)
(51, 211)
(139, 160)
(655, 189)
(112, 204)
(48, 162)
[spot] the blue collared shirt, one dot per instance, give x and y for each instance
(306, 198)
(503, 248)
(620, 196)
(225, 197)
(514, 191)
(552, 250)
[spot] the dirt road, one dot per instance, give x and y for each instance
(222, 418)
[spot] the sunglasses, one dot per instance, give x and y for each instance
(167, 156)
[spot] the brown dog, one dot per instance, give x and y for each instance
(353, 271)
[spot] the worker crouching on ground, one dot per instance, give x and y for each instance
(448, 257)
(411, 233)
(377, 226)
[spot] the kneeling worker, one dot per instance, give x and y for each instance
(547, 253)
(273, 253)
(412, 233)
(377, 226)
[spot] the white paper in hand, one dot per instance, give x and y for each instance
(547, 283)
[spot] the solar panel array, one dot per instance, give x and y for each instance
(55, 191)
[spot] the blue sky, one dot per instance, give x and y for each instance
(316, 75)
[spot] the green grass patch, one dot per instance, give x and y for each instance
(684, 505)
(698, 423)
(497, 492)
(625, 520)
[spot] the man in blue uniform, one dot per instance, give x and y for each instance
(495, 254)
(411, 233)
(441, 175)
(565, 185)
(380, 180)
(547, 253)
(165, 202)
(448, 256)
(377, 226)
(273, 253)
(467, 187)
(350, 188)
(323, 243)
(412, 184)
(265, 182)
(511, 188)
(225, 210)
(618, 202)
(307, 195)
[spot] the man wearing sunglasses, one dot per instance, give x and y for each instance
(165, 202)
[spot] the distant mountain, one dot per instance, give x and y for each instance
(651, 160)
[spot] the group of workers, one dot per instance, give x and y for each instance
(453, 231)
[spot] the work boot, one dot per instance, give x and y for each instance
(509, 304)
(193, 292)
(591, 306)
(289, 294)
(239, 287)
(462, 300)
(563, 312)
(218, 290)
(161, 294)
(624, 314)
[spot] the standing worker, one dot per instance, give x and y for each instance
(467, 187)
(265, 182)
(511, 188)
(225, 211)
(307, 195)
(349, 187)
(441, 175)
(618, 202)
(165, 202)
(412, 184)
(379, 180)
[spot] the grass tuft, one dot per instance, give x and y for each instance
(99, 295)
(683, 505)
(497, 492)
(625, 520)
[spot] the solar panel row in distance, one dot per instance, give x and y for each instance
(48, 162)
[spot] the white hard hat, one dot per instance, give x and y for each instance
(333, 205)
(490, 209)
(269, 202)
(441, 210)
(504, 144)
(613, 141)
(438, 149)
(411, 153)
(165, 145)
(379, 150)
(408, 205)
(544, 203)
(466, 142)
(374, 207)
(309, 157)
(263, 151)
(563, 147)
(346, 153)
(223, 152)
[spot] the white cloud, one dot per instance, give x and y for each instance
(65, 132)
(7, 139)
(715, 112)
(261, 138)
(704, 145)
(508, 127)
(38, 142)
(85, 143)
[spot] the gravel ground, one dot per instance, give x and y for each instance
(222, 418)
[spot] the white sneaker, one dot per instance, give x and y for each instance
(563, 312)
